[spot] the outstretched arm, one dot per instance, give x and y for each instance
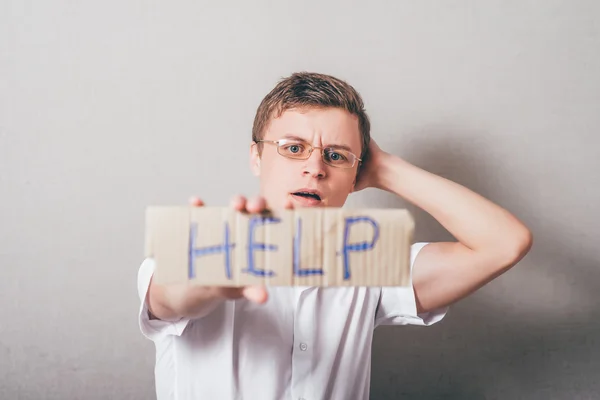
(175, 301)
(490, 239)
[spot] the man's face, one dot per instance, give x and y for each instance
(311, 182)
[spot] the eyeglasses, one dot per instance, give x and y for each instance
(299, 150)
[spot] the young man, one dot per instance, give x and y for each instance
(312, 148)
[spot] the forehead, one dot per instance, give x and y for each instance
(318, 126)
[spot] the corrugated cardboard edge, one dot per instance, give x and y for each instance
(409, 232)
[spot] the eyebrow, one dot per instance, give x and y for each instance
(335, 146)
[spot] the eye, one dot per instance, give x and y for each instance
(336, 156)
(293, 148)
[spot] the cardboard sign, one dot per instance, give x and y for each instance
(218, 246)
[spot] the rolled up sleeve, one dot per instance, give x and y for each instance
(398, 305)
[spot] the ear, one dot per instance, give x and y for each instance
(356, 178)
(254, 159)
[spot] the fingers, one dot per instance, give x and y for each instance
(256, 205)
(196, 202)
(256, 294)
(229, 292)
(238, 203)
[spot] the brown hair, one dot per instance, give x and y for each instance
(306, 89)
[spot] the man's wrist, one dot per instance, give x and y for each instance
(390, 171)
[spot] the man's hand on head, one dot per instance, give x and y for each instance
(370, 171)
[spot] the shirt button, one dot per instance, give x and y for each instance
(303, 347)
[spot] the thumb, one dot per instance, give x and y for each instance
(255, 294)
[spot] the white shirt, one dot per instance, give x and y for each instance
(304, 343)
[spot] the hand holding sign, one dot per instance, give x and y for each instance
(248, 247)
(255, 293)
(170, 300)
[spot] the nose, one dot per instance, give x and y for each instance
(314, 165)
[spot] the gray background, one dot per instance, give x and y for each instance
(108, 107)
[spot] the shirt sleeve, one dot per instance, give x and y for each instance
(398, 306)
(153, 329)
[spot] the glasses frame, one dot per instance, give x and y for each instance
(310, 148)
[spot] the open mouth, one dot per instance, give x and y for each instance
(308, 195)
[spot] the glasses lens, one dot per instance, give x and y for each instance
(299, 150)
(338, 158)
(294, 149)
